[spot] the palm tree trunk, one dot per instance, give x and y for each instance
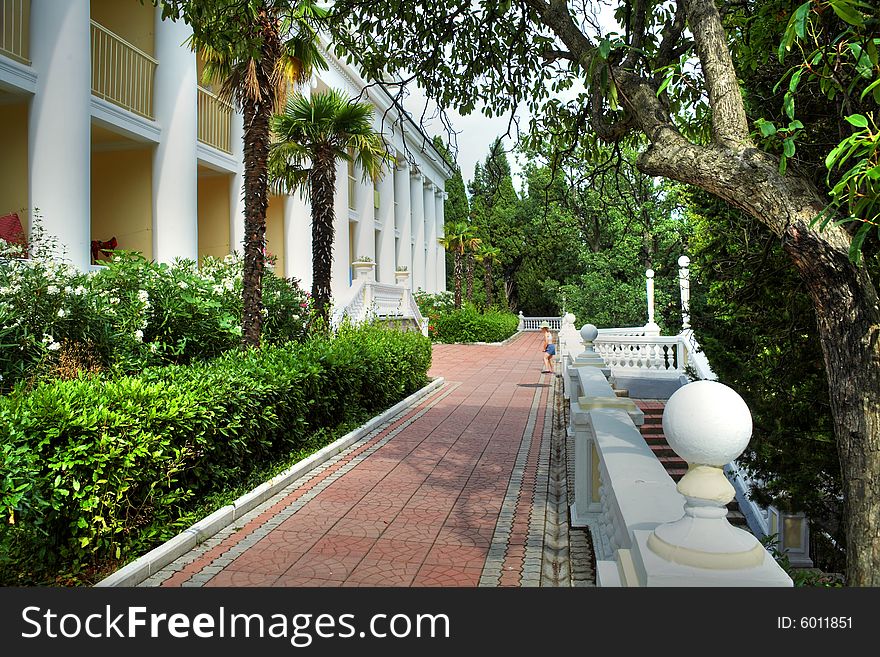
(256, 202)
(488, 283)
(470, 276)
(322, 183)
(458, 274)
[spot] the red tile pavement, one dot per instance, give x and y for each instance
(421, 510)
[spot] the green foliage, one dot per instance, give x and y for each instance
(97, 470)
(131, 313)
(466, 324)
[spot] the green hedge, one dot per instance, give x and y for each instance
(470, 325)
(96, 470)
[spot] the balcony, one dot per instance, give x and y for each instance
(15, 29)
(121, 73)
(215, 121)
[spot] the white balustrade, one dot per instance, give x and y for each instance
(371, 300)
(649, 354)
(534, 323)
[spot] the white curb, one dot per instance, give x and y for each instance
(159, 557)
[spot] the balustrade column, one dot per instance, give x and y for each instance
(651, 328)
(175, 164)
(59, 126)
(684, 284)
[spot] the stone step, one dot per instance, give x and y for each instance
(661, 449)
(653, 419)
(651, 429)
(622, 392)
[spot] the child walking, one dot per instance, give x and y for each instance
(549, 350)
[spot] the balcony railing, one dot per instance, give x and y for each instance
(215, 121)
(14, 29)
(122, 73)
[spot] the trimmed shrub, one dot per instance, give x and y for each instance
(470, 325)
(95, 470)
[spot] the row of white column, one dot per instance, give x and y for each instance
(59, 133)
(409, 221)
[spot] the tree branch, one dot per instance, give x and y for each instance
(667, 51)
(729, 125)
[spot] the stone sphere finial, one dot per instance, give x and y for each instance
(707, 423)
(684, 261)
(589, 332)
(649, 273)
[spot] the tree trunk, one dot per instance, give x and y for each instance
(458, 276)
(846, 305)
(322, 184)
(487, 283)
(256, 202)
(470, 276)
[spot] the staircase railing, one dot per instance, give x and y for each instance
(534, 323)
(369, 300)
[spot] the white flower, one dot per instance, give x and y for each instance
(54, 346)
(144, 297)
(80, 290)
(52, 289)
(218, 289)
(68, 289)
(154, 347)
(47, 338)
(182, 285)
(114, 300)
(229, 284)
(61, 312)
(295, 316)
(139, 335)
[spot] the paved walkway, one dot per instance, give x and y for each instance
(467, 488)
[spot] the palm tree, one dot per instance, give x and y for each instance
(254, 49)
(471, 244)
(453, 241)
(488, 255)
(312, 134)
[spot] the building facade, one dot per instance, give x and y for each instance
(108, 133)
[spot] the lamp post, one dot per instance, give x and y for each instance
(651, 328)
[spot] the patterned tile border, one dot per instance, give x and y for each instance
(217, 550)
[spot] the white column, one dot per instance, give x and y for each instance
(175, 167)
(298, 239)
(439, 250)
(402, 217)
(430, 239)
(651, 328)
(365, 244)
(236, 190)
(385, 259)
(341, 268)
(684, 284)
(59, 129)
(418, 230)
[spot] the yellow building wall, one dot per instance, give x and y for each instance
(214, 216)
(122, 199)
(133, 21)
(275, 232)
(14, 179)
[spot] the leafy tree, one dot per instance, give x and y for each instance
(254, 49)
(772, 360)
(641, 83)
(312, 134)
